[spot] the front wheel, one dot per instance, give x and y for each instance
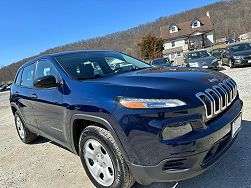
(102, 159)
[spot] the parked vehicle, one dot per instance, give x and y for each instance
(161, 62)
(237, 55)
(232, 40)
(3, 88)
(201, 59)
(217, 52)
(145, 124)
(8, 86)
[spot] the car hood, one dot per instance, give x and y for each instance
(242, 53)
(204, 60)
(159, 82)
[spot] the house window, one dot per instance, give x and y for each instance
(173, 29)
(173, 44)
(196, 23)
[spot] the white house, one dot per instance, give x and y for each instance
(191, 35)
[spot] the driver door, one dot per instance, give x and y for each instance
(48, 103)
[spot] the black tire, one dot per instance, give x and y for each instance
(122, 175)
(230, 63)
(221, 62)
(28, 136)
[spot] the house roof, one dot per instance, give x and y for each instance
(185, 28)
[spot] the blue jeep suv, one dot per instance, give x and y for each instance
(125, 119)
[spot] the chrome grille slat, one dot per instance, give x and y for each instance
(218, 98)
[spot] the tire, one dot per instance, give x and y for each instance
(221, 62)
(25, 135)
(95, 143)
(230, 63)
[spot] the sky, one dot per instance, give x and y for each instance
(29, 27)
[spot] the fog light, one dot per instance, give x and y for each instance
(174, 131)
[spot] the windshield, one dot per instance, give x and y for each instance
(162, 61)
(199, 54)
(240, 47)
(87, 65)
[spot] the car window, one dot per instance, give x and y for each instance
(90, 65)
(240, 47)
(198, 54)
(162, 61)
(18, 77)
(45, 68)
(116, 63)
(27, 76)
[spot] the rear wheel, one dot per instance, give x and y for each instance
(24, 133)
(102, 160)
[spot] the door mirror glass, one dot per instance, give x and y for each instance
(45, 82)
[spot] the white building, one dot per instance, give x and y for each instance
(191, 35)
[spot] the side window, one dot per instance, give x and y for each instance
(45, 68)
(18, 77)
(27, 76)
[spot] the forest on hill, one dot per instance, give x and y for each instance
(230, 17)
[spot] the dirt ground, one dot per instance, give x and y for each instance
(45, 164)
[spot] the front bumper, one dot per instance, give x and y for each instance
(211, 147)
(242, 62)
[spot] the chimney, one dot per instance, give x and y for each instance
(208, 15)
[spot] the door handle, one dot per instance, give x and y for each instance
(16, 92)
(33, 96)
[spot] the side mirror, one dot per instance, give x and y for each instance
(45, 82)
(172, 61)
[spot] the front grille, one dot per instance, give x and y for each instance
(247, 58)
(218, 98)
(174, 165)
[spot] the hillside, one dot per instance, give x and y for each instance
(229, 17)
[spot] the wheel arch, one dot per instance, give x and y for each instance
(84, 120)
(14, 108)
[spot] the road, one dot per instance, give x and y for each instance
(45, 164)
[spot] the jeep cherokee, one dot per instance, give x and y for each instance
(125, 119)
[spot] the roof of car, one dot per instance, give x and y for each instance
(238, 44)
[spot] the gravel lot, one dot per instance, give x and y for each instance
(45, 164)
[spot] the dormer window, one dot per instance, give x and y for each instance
(173, 29)
(196, 23)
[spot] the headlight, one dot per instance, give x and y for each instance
(195, 64)
(150, 103)
(237, 57)
(174, 131)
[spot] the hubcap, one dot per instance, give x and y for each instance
(98, 162)
(20, 127)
